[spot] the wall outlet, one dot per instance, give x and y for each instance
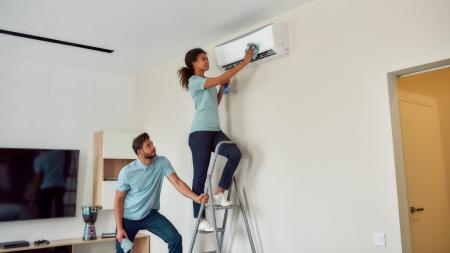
(379, 239)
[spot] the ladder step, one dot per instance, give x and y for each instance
(220, 230)
(219, 207)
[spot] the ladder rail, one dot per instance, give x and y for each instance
(224, 222)
(219, 240)
(197, 223)
(244, 215)
(209, 190)
(216, 233)
(210, 198)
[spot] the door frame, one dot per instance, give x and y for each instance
(403, 207)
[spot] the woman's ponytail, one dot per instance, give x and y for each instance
(184, 73)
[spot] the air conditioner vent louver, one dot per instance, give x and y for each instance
(258, 57)
(272, 41)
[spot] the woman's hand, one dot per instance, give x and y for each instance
(249, 55)
(220, 80)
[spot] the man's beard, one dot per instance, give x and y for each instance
(149, 156)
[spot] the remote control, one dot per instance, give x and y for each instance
(109, 235)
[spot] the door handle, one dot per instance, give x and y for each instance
(414, 209)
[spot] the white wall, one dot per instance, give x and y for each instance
(314, 127)
(44, 105)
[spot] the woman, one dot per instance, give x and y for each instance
(205, 131)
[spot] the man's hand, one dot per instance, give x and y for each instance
(121, 234)
(202, 198)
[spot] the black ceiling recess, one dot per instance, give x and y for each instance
(34, 37)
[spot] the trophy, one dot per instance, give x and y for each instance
(89, 217)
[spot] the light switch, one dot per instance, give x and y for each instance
(379, 239)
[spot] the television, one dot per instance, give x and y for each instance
(37, 183)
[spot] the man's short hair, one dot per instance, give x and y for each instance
(139, 140)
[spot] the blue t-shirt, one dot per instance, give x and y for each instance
(51, 164)
(143, 186)
(206, 116)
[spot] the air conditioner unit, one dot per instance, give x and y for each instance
(272, 41)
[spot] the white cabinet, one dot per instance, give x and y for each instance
(113, 150)
(108, 194)
(117, 145)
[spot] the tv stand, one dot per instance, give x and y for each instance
(141, 244)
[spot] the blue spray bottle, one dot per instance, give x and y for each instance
(226, 88)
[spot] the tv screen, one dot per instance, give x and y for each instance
(37, 183)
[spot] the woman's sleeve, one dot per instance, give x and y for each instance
(197, 83)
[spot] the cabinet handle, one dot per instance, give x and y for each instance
(414, 209)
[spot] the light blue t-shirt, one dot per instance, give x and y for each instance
(206, 112)
(143, 186)
(51, 164)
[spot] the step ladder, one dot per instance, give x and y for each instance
(220, 231)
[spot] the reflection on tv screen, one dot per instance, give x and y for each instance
(37, 183)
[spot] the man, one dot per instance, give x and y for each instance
(137, 196)
(49, 183)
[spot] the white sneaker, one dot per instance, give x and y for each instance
(205, 226)
(219, 199)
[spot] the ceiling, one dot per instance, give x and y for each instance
(143, 34)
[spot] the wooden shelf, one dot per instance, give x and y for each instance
(141, 244)
(112, 151)
(112, 167)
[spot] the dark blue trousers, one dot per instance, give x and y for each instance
(202, 143)
(157, 224)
